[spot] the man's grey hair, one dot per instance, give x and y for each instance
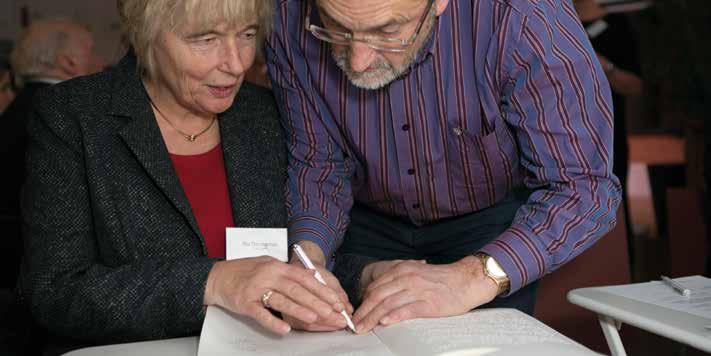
(36, 51)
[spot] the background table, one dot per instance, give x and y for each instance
(613, 310)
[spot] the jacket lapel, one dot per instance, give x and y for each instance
(234, 129)
(142, 135)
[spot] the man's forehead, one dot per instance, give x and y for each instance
(356, 14)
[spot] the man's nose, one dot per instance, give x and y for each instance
(360, 56)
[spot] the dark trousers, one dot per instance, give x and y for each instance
(372, 236)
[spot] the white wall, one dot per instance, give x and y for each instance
(99, 15)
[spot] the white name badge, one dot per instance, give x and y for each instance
(255, 242)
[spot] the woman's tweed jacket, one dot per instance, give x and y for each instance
(113, 250)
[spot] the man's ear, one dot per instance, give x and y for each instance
(67, 65)
(441, 6)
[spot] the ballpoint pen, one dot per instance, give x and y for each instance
(301, 255)
(676, 286)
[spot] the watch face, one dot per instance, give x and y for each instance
(493, 267)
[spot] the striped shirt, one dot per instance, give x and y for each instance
(504, 93)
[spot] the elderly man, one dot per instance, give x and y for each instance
(47, 52)
(446, 153)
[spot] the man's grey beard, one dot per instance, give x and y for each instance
(383, 72)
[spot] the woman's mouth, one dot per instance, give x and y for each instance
(221, 92)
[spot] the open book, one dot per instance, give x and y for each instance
(481, 332)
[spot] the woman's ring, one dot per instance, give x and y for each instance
(265, 298)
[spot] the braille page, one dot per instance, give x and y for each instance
(481, 332)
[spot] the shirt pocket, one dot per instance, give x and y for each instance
(483, 165)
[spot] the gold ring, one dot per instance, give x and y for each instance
(265, 298)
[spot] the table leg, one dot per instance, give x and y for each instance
(610, 328)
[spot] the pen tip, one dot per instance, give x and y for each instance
(349, 322)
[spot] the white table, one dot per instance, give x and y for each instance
(186, 346)
(613, 310)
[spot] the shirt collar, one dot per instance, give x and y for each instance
(46, 80)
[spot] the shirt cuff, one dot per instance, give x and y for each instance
(308, 228)
(520, 257)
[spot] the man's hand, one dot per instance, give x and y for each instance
(334, 321)
(402, 290)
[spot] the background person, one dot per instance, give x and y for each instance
(46, 53)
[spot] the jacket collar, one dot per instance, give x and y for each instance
(142, 136)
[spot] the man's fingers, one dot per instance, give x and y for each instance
(267, 320)
(373, 298)
(396, 271)
(393, 302)
(417, 309)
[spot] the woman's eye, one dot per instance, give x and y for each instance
(249, 34)
(205, 40)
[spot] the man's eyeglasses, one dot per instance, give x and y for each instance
(375, 42)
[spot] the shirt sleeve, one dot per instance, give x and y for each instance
(560, 110)
(319, 197)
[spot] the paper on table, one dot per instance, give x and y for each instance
(482, 332)
(659, 294)
(228, 334)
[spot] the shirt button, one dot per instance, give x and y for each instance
(410, 171)
(406, 127)
(458, 131)
(416, 206)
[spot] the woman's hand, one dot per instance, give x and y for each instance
(239, 285)
(336, 321)
(333, 322)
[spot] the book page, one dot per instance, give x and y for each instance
(659, 294)
(481, 332)
(224, 333)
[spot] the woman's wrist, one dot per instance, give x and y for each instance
(209, 296)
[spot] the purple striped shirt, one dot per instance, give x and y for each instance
(505, 93)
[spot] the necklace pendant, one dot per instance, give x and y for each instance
(191, 138)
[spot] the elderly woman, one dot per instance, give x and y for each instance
(134, 174)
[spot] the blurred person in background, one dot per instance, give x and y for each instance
(47, 52)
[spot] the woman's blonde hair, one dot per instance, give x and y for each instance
(143, 20)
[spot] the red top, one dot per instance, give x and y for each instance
(205, 183)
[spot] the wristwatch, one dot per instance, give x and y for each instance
(493, 270)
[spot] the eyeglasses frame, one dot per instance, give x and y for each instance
(368, 40)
